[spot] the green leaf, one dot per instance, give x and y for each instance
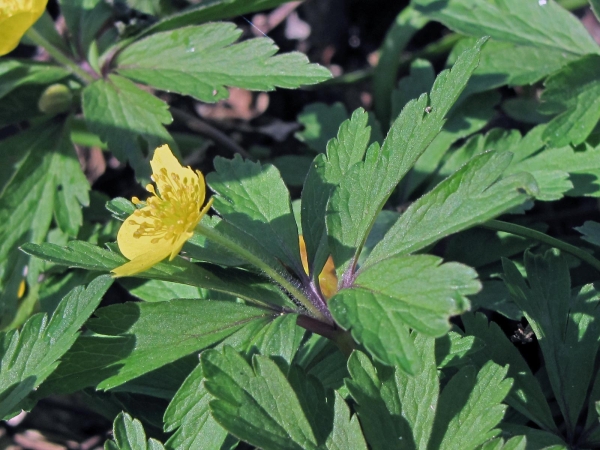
(326, 172)
(293, 168)
(418, 82)
(396, 411)
(321, 123)
(202, 60)
(470, 407)
(505, 63)
(166, 331)
(495, 296)
(590, 231)
(256, 403)
(201, 248)
(475, 194)
(188, 412)
(558, 171)
(362, 193)
(235, 282)
(454, 349)
(595, 4)
(129, 434)
(346, 432)
(30, 355)
(566, 325)
(159, 290)
(404, 292)
(526, 395)
(128, 119)
(574, 93)
(254, 199)
(536, 439)
(464, 119)
(503, 21)
(592, 431)
(478, 247)
(516, 443)
(85, 19)
(47, 181)
(212, 10)
(15, 73)
(189, 416)
(321, 358)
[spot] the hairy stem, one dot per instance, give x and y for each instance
(282, 280)
(59, 56)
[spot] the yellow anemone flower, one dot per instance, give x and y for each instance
(16, 17)
(327, 278)
(160, 228)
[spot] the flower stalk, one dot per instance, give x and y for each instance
(283, 281)
(59, 56)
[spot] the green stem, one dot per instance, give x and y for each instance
(519, 230)
(59, 56)
(218, 238)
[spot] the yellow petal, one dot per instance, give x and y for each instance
(131, 246)
(13, 28)
(139, 264)
(164, 159)
(177, 246)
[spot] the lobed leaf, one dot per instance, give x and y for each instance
(149, 336)
(566, 325)
(590, 231)
(203, 60)
(362, 193)
(129, 434)
(29, 356)
(326, 172)
(256, 403)
(574, 93)
(400, 293)
(188, 412)
(526, 395)
(469, 407)
(253, 198)
(47, 182)
(475, 194)
(505, 63)
(131, 121)
(504, 20)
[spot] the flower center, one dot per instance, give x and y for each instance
(172, 211)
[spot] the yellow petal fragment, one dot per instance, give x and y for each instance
(327, 278)
(139, 264)
(16, 17)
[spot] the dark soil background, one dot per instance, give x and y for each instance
(343, 35)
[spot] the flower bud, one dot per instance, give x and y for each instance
(57, 98)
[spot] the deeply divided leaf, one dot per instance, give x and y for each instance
(362, 193)
(401, 293)
(202, 61)
(131, 121)
(475, 194)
